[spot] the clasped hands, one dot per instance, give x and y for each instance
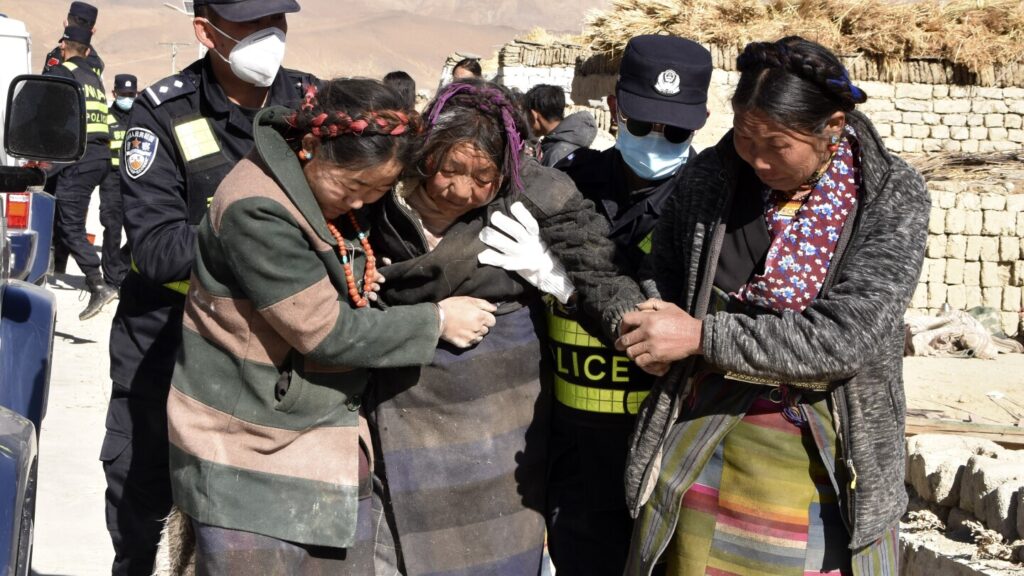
(657, 334)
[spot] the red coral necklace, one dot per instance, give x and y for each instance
(358, 297)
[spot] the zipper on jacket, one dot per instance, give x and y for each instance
(844, 439)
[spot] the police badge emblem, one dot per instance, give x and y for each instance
(668, 83)
(140, 146)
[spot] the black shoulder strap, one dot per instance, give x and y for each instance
(170, 88)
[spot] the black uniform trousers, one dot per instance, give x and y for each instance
(115, 258)
(73, 189)
(135, 462)
(589, 526)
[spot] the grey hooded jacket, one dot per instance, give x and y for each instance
(576, 130)
(851, 336)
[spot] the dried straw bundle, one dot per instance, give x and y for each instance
(982, 166)
(974, 33)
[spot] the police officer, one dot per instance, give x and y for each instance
(660, 101)
(184, 134)
(114, 261)
(73, 184)
(80, 15)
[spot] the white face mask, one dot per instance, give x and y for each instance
(257, 57)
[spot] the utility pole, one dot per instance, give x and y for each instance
(187, 9)
(174, 53)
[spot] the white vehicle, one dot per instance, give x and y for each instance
(15, 59)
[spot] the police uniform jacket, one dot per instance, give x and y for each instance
(54, 59)
(264, 421)
(587, 368)
(118, 122)
(602, 177)
(97, 130)
(183, 137)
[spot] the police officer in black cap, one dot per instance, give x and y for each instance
(80, 15)
(660, 101)
(114, 262)
(73, 184)
(184, 134)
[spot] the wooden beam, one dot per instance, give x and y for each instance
(1006, 436)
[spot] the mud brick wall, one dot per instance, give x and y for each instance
(975, 254)
(929, 106)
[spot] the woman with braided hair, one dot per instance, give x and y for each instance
(773, 442)
(270, 454)
(462, 441)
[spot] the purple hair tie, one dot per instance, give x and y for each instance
(515, 143)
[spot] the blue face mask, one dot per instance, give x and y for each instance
(124, 102)
(651, 157)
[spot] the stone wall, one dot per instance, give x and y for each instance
(975, 254)
(930, 106)
(523, 65)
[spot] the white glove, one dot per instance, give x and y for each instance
(521, 250)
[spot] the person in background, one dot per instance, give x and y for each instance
(80, 15)
(185, 133)
(114, 261)
(560, 134)
(660, 101)
(467, 68)
(270, 453)
(73, 184)
(774, 444)
(402, 83)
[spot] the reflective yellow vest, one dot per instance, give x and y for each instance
(590, 376)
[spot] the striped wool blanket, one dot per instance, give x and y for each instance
(462, 448)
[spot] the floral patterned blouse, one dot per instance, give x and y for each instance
(803, 242)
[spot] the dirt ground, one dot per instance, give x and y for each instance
(959, 387)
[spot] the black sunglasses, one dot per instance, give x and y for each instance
(673, 134)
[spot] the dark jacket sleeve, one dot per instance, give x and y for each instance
(672, 258)
(155, 210)
(578, 236)
(836, 333)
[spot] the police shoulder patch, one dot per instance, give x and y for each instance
(139, 151)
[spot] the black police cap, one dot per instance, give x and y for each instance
(83, 10)
(76, 34)
(245, 10)
(665, 79)
(125, 83)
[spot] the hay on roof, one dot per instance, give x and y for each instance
(976, 34)
(983, 166)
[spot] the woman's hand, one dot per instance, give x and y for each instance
(658, 334)
(466, 320)
(372, 289)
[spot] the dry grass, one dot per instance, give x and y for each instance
(539, 35)
(974, 33)
(962, 166)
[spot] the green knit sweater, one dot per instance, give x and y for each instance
(264, 421)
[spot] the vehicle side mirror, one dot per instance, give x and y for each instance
(45, 119)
